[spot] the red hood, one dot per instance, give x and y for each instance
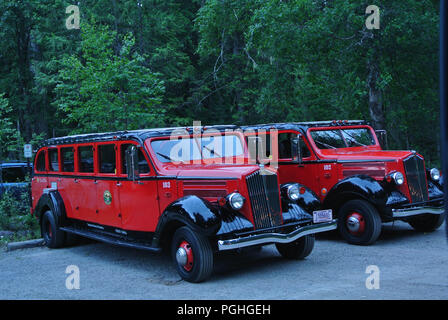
(362, 153)
(210, 170)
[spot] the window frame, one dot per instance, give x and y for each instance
(311, 157)
(78, 159)
(343, 127)
(61, 152)
(49, 149)
(39, 153)
(98, 159)
(120, 160)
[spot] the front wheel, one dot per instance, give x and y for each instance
(427, 222)
(297, 250)
(192, 254)
(359, 222)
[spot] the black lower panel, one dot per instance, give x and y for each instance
(111, 238)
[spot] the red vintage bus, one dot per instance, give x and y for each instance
(169, 188)
(344, 164)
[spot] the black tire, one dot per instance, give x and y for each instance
(297, 250)
(369, 227)
(427, 222)
(53, 236)
(202, 266)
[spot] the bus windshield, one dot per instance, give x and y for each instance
(187, 149)
(342, 138)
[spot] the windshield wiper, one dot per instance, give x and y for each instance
(212, 152)
(354, 139)
(164, 156)
(324, 144)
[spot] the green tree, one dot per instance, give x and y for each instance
(304, 60)
(7, 129)
(98, 90)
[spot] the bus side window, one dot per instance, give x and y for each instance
(40, 162)
(85, 156)
(108, 163)
(68, 159)
(284, 146)
(306, 153)
(143, 166)
(53, 158)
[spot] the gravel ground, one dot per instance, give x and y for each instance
(411, 265)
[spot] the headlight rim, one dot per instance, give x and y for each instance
(396, 177)
(435, 172)
(231, 203)
(288, 191)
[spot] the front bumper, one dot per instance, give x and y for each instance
(413, 211)
(265, 238)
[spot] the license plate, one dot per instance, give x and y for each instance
(322, 216)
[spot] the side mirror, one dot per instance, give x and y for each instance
(296, 150)
(382, 138)
(132, 163)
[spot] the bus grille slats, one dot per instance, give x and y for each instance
(265, 199)
(416, 178)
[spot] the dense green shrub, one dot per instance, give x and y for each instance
(16, 218)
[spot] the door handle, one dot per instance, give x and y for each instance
(76, 181)
(119, 184)
(95, 181)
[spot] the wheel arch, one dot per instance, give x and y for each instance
(53, 201)
(191, 211)
(359, 187)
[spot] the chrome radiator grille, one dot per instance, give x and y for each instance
(416, 177)
(265, 199)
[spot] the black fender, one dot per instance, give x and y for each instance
(356, 187)
(233, 221)
(396, 198)
(308, 200)
(192, 211)
(292, 212)
(435, 190)
(52, 200)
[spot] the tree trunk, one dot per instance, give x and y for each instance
(375, 97)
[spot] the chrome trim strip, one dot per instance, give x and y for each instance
(265, 238)
(402, 213)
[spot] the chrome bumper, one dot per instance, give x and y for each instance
(265, 238)
(408, 212)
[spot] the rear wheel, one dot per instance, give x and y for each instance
(427, 222)
(299, 249)
(192, 255)
(359, 222)
(53, 236)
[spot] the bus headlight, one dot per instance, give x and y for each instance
(435, 174)
(293, 192)
(398, 178)
(235, 200)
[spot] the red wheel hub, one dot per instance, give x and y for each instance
(50, 234)
(355, 223)
(184, 255)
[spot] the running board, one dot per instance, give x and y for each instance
(111, 239)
